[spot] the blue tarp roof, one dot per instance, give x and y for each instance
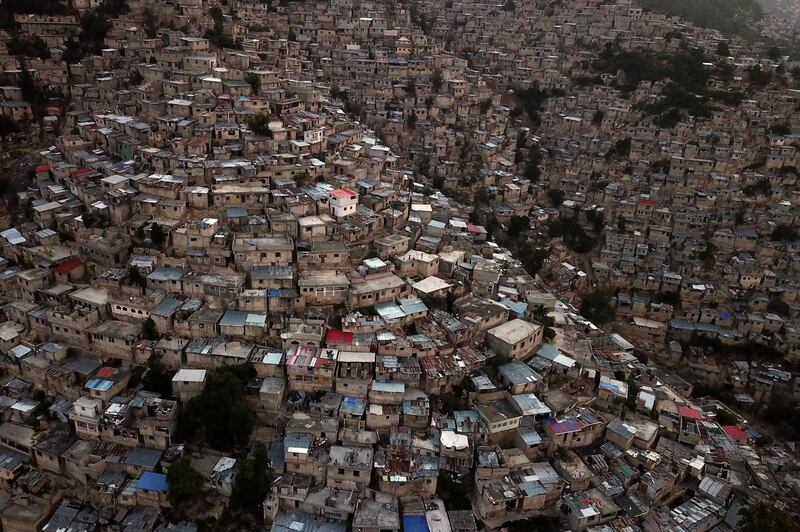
(153, 482)
(415, 523)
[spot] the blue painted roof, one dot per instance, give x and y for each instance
(101, 385)
(153, 482)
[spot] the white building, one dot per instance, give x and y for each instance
(343, 202)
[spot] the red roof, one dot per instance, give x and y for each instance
(691, 413)
(43, 168)
(338, 337)
(735, 433)
(68, 266)
(648, 202)
(81, 171)
(343, 193)
(104, 373)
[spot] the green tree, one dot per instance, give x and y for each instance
(455, 493)
(518, 225)
(29, 47)
(157, 378)
(572, 234)
(259, 124)
(724, 417)
(216, 34)
(621, 149)
(539, 523)
(482, 196)
(509, 5)
(135, 78)
(254, 81)
(532, 257)
(708, 255)
(372, 251)
(723, 49)
(149, 331)
(252, 481)
(738, 17)
(184, 483)
(556, 196)
(779, 306)
(633, 392)
(303, 179)
(757, 77)
(135, 277)
(31, 91)
(784, 233)
(157, 235)
(548, 322)
(597, 219)
(437, 80)
(774, 53)
(782, 128)
(149, 23)
(597, 306)
(8, 126)
(90, 219)
(219, 417)
(532, 171)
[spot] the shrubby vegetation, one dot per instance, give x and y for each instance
(686, 90)
(764, 517)
(737, 17)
